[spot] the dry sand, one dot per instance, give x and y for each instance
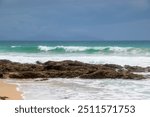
(10, 91)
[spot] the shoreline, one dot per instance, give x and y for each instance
(9, 91)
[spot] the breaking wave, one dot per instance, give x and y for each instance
(97, 50)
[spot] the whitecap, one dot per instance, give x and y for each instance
(15, 46)
(44, 48)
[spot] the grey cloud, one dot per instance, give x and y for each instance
(74, 19)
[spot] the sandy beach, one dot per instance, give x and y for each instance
(9, 91)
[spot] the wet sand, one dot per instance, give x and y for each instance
(9, 91)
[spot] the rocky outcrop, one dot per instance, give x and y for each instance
(3, 97)
(1, 75)
(67, 69)
(135, 68)
(27, 74)
(101, 74)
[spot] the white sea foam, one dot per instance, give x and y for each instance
(66, 48)
(94, 59)
(85, 89)
(111, 50)
(83, 48)
(15, 46)
(72, 48)
(44, 48)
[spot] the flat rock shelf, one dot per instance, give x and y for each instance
(68, 69)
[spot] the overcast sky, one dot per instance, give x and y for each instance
(74, 19)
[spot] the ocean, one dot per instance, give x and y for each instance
(96, 52)
(134, 53)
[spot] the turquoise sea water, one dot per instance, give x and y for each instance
(95, 52)
(99, 52)
(76, 47)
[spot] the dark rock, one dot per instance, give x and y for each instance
(3, 97)
(113, 66)
(63, 74)
(147, 69)
(102, 74)
(133, 76)
(38, 62)
(43, 79)
(5, 61)
(1, 75)
(67, 69)
(134, 68)
(27, 74)
(54, 67)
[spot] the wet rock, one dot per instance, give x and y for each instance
(64, 74)
(4, 61)
(113, 66)
(134, 68)
(102, 74)
(41, 79)
(67, 69)
(147, 69)
(27, 74)
(1, 75)
(38, 62)
(133, 76)
(3, 97)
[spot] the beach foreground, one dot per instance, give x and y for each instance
(73, 80)
(9, 92)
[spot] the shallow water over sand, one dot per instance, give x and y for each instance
(59, 88)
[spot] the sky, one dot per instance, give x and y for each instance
(75, 20)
